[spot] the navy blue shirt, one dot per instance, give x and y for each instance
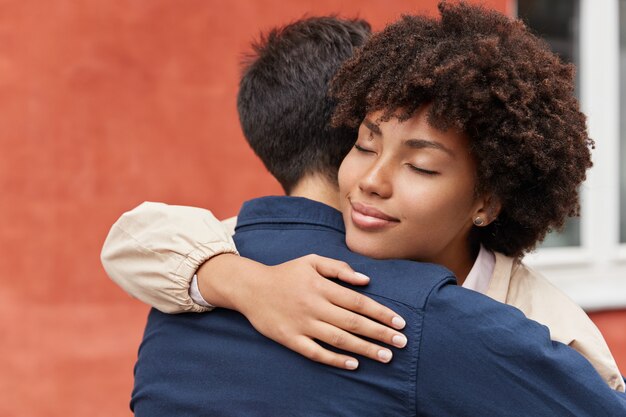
(467, 355)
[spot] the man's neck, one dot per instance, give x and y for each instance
(318, 188)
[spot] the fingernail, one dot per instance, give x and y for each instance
(398, 322)
(363, 276)
(399, 340)
(384, 355)
(352, 364)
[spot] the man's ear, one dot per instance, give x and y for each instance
(487, 211)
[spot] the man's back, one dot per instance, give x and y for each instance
(454, 364)
(217, 364)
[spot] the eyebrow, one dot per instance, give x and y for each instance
(372, 126)
(411, 143)
(423, 143)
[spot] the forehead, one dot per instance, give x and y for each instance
(415, 131)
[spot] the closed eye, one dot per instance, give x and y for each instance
(422, 170)
(362, 149)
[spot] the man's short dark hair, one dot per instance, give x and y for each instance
(283, 101)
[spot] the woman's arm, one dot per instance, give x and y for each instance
(154, 250)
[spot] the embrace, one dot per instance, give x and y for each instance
(420, 164)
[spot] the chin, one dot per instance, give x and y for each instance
(363, 247)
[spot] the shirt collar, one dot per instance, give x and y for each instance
(296, 210)
(480, 275)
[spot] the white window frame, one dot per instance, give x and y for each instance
(594, 273)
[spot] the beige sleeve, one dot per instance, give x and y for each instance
(154, 250)
(541, 301)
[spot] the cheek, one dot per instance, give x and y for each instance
(437, 203)
(348, 173)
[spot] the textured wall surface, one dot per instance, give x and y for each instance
(105, 104)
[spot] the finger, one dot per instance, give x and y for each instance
(356, 324)
(343, 340)
(365, 306)
(313, 351)
(331, 268)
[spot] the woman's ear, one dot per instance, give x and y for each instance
(488, 210)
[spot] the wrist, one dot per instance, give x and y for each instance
(194, 293)
(226, 280)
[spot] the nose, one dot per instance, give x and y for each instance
(376, 181)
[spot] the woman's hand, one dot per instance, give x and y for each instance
(295, 305)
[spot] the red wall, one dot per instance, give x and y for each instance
(105, 104)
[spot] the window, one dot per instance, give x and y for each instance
(588, 260)
(556, 22)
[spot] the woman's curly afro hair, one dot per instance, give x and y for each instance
(487, 75)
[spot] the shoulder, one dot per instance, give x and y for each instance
(520, 286)
(540, 300)
(408, 282)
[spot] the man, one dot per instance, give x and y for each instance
(154, 251)
(217, 364)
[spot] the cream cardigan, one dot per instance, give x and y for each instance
(518, 285)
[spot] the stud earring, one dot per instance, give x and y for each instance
(478, 221)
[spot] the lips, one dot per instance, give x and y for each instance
(370, 218)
